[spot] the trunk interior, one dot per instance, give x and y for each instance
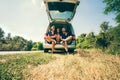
(67, 26)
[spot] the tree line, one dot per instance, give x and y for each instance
(17, 43)
(108, 38)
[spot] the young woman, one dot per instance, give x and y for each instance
(51, 36)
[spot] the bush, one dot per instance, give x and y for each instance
(113, 49)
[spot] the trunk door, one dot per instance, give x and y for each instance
(61, 10)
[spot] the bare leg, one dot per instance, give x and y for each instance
(65, 42)
(53, 46)
(66, 46)
(69, 38)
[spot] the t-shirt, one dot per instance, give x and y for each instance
(50, 34)
(64, 36)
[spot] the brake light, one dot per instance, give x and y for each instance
(74, 37)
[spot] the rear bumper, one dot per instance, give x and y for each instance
(58, 46)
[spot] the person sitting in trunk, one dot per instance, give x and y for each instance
(65, 38)
(58, 36)
(51, 37)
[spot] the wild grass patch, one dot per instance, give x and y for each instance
(13, 67)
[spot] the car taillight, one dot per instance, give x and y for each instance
(74, 37)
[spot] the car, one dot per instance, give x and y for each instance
(60, 14)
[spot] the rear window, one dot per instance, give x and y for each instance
(61, 10)
(61, 6)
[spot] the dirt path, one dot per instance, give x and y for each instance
(87, 66)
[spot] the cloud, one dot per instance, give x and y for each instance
(42, 5)
(34, 2)
(39, 4)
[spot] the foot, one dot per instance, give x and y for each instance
(61, 42)
(52, 52)
(66, 52)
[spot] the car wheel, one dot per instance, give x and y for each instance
(45, 50)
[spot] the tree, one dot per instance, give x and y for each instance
(102, 43)
(18, 43)
(8, 38)
(37, 46)
(86, 41)
(1, 35)
(28, 46)
(91, 38)
(83, 35)
(80, 40)
(114, 7)
(40, 46)
(115, 32)
(105, 26)
(103, 38)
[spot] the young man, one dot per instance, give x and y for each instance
(51, 36)
(65, 38)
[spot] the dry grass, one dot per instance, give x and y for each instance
(85, 65)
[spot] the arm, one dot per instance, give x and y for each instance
(53, 36)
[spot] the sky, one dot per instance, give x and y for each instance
(28, 18)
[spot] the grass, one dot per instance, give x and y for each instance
(92, 65)
(16, 67)
(84, 65)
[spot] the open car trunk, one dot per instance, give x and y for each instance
(67, 26)
(61, 10)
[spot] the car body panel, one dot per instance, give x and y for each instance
(58, 46)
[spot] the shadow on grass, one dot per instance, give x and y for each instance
(61, 52)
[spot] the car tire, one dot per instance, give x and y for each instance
(45, 50)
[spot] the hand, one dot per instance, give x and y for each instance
(49, 37)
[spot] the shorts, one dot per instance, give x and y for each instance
(50, 42)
